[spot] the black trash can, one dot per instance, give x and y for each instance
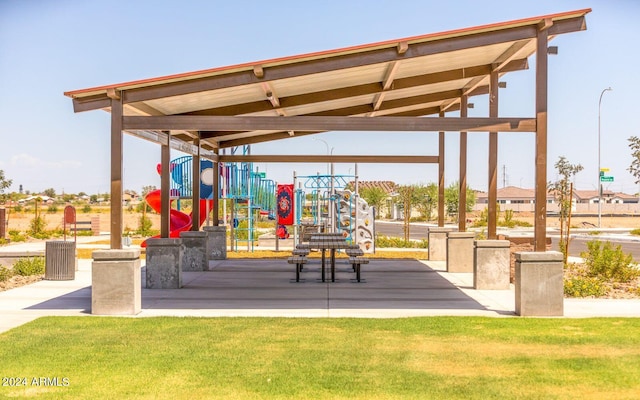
(60, 261)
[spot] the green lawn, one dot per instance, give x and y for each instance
(280, 358)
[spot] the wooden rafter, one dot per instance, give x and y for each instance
(362, 90)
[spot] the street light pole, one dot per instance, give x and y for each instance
(599, 167)
(326, 144)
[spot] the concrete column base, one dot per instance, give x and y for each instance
(539, 284)
(164, 259)
(194, 251)
(216, 242)
(115, 282)
(460, 251)
(437, 238)
(491, 263)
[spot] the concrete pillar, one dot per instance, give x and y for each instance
(194, 251)
(437, 238)
(491, 263)
(164, 260)
(539, 284)
(460, 251)
(116, 282)
(216, 242)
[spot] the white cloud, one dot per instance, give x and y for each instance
(24, 160)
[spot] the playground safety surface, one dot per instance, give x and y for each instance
(267, 288)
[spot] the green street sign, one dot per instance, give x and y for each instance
(606, 179)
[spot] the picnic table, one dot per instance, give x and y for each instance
(331, 242)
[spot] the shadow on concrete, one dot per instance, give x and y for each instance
(77, 300)
(270, 284)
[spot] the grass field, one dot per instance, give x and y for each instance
(275, 358)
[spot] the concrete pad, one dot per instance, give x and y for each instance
(267, 288)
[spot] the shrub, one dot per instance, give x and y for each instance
(16, 236)
(605, 261)
(86, 209)
(584, 287)
(635, 232)
(242, 231)
(52, 209)
(5, 274)
(144, 226)
(385, 241)
(29, 266)
(36, 228)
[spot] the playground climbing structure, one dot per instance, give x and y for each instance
(335, 208)
(249, 192)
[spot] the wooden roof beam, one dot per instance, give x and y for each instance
(298, 158)
(306, 123)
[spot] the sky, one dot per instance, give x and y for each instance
(48, 47)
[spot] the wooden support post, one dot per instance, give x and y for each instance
(195, 187)
(116, 173)
(441, 175)
(165, 188)
(462, 193)
(540, 223)
(492, 212)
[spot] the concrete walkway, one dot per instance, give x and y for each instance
(390, 289)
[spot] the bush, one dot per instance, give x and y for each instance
(385, 241)
(635, 232)
(584, 287)
(29, 266)
(605, 261)
(52, 209)
(86, 209)
(36, 228)
(16, 236)
(5, 274)
(144, 226)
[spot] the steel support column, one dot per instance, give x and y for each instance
(165, 188)
(441, 175)
(540, 223)
(116, 228)
(216, 190)
(492, 212)
(195, 187)
(462, 192)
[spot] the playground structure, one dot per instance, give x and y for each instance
(334, 209)
(247, 190)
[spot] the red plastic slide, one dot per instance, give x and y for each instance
(178, 221)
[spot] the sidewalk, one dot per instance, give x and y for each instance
(391, 289)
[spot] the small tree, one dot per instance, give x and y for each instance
(408, 199)
(148, 189)
(427, 200)
(634, 168)
(374, 196)
(452, 195)
(562, 191)
(51, 192)
(4, 184)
